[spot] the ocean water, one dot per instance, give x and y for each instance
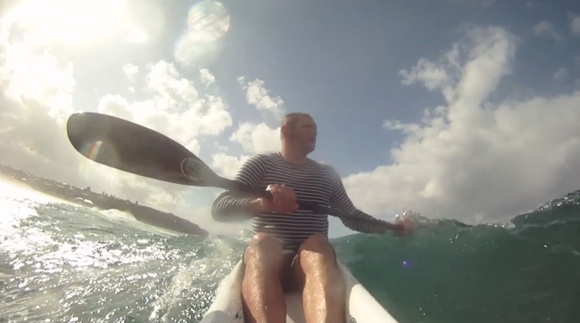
(64, 263)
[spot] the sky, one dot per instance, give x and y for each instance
(458, 109)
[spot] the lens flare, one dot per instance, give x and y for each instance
(92, 151)
(207, 23)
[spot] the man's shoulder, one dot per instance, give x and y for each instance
(319, 163)
(326, 167)
(262, 158)
(265, 156)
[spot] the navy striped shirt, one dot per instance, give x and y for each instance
(312, 182)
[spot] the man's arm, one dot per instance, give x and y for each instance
(340, 200)
(236, 206)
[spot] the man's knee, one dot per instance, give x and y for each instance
(317, 251)
(263, 249)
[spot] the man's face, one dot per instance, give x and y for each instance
(304, 134)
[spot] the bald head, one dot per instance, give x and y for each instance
(291, 119)
(298, 132)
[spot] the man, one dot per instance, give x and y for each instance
(290, 248)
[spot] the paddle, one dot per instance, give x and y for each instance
(133, 148)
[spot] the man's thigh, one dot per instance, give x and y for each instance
(297, 273)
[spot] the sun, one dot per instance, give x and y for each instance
(73, 22)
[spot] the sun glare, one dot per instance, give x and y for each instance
(74, 22)
(136, 35)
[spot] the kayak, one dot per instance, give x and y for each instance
(361, 306)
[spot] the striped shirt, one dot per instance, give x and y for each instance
(311, 182)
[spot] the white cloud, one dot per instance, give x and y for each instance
(259, 96)
(542, 27)
(532, 4)
(561, 75)
(575, 25)
(473, 160)
(257, 138)
(429, 73)
(26, 76)
(178, 109)
(545, 28)
(206, 77)
(178, 91)
(484, 3)
(35, 100)
(227, 166)
(131, 71)
(115, 105)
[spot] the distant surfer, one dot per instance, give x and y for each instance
(290, 249)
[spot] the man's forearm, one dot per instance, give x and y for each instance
(368, 224)
(235, 207)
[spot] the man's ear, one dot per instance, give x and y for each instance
(284, 130)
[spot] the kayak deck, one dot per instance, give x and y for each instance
(361, 306)
(294, 313)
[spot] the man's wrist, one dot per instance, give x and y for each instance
(256, 206)
(393, 226)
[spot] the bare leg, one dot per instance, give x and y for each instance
(263, 297)
(323, 294)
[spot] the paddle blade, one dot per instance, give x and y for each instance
(128, 147)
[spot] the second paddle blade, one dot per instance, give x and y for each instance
(127, 146)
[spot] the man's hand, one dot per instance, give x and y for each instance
(404, 226)
(283, 201)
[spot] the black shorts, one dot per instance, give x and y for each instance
(290, 258)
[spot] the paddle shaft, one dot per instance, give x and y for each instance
(133, 148)
(227, 184)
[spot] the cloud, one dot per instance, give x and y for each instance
(257, 138)
(37, 91)
(177, 108)
(486, 3)
(471, 159)
(35, 100)
(259, 96)
(206, 77)
(227, 166)
(40, 77)
(545, 28)
(427, 72)
(575, 25)
(561, 75)
(531, 4)
(131, 71)
(483, 3)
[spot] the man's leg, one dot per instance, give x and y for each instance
(317, 270)
(263, 297)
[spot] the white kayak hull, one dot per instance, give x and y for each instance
(361, 306)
